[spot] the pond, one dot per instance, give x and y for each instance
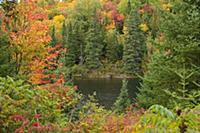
(107, 90)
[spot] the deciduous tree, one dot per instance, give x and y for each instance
(28, 32)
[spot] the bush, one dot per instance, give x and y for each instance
(24, 107)
(160, 119)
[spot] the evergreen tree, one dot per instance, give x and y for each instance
(134, 46)
(174, 72)
(64, 33)
(112, 47)
(80, 42)
(53, 37)
(94, 45)
(71, 43)
(7, 65)
(123, 100)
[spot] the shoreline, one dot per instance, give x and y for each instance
(103, 76)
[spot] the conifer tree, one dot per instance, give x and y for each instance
(112, 47)
(123, 100)
(64, 33)
(70, 42)
(53, 37)
(94, 45)
(134, 46)
(174, 72)
(7, 65)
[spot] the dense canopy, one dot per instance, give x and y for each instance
(45, 44)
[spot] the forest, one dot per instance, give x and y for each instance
(46, 44)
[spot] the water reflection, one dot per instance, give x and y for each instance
(107, 90)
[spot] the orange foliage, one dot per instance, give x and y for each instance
(125, 123)
(41, 66)
(110, 6)
(28, 34)
(110, 123)
(111, 13)
(44, 73)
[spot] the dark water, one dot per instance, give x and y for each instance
(107, 90)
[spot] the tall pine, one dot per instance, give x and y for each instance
(94, 45)
(7, 65)
(53, 37)
(134, 46)
(112, 46)
(71, 43)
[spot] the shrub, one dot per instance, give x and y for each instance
(24, 106)
(160, 119)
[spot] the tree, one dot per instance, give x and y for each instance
(112, 47)
(134, 47)
(81, 19)
(28, 34)
(123, 100)
(173, 74)
(53, 37)
(45, 70)
(71, 42)
(94, 46)
(7, 65)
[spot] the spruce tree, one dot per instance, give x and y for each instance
(173, 73)
(123, 100)
(134, 46)
(112, 47)
(53, 37)
(7, 65)
(94, 45)
(70, 42)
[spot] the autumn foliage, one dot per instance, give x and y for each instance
(28, 31)
(44, 42)
(42, 68)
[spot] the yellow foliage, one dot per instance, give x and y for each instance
(71, 4)
(144, 27)
(109, 14)
(104, 1)
(59, 18)
(125, 30)
(121, 38)
(167, 7)
(110, 26)
(58, 21)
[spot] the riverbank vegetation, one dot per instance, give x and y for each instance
(45, 43)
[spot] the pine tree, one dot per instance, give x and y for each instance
(53, 37)
(94, 45)
(174, 72)
(123, 100)
(112, 47)
(7, 65)
(71, 43)
(134, 46)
